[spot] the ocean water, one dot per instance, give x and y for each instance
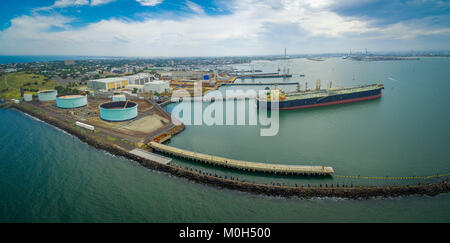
(48, 175)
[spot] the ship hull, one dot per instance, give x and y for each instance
(323, 101)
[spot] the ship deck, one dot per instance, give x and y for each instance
(330, 92)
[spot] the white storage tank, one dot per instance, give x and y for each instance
(118, 110)
(47, 95)
(71, 101)
(27, 97)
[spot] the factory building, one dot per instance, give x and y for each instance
(119, 97)
(139, 79)
(183, 75)
(47, 95)
(28, 97)
(159, 86)
(107, 84)
(118, 110)
(139, 88)
(71, 101)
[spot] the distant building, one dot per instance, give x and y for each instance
(108, 84)
(69, 62)
(139, 88)
(159, 86)
(9, 70)
(140, 78)
(183, 75)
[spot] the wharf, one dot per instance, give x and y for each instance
(245, 84)
(270, 75)
(244, 165)
(151, 156)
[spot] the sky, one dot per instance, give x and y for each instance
(175, 28)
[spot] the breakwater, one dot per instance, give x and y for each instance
(305, 191)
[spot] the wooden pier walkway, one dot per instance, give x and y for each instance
(151, 156)
(244, 165)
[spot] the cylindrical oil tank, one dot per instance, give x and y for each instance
(27, 97)
(47, 95)
(118, 110)
(119, 98)
(71, 101)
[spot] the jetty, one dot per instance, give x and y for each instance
(243, 165)
(265, 75)
(151, 156)
(245, 84)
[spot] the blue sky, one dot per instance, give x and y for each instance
(220, 27)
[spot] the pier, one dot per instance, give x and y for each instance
(245, 84)
(265, 75)
(151, 156)
(244, 165)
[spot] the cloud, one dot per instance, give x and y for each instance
(249, 28)
(195, 7)
(100, 2)
(149, 3)
(73, 3)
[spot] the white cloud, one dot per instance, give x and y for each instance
(252, 27)
(100, 2)
(68, 3)
(195, 7)
(149, 2)
(73, 3)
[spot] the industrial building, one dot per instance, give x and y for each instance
(139, 88)
(47, 95)
(140, 78)
(27, 97)
(71, 101)
(118, 110)
(159, 86)
(183, 75)
(119, 98)
(107, 84)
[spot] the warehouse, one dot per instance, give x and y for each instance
(159, 86)
(107, 84)
(139, 79)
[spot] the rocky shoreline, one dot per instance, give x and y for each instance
(430, 189)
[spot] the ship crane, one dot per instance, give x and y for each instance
(318, 84)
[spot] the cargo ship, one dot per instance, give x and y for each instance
(317, 97)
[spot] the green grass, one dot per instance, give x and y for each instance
(111, 139)
(13, 82)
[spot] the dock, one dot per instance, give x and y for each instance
(245, 84)
(151, 156)
(244, 165)
(265, 75)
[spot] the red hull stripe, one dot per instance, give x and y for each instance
(334, 102)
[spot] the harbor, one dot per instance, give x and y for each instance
(337, 135)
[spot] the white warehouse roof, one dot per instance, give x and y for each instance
(109, 80)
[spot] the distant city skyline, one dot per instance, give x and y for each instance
(166, 28)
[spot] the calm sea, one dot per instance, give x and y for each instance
(50, 176)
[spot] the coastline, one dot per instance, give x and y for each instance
(430, 189)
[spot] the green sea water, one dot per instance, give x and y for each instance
(47, 175)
